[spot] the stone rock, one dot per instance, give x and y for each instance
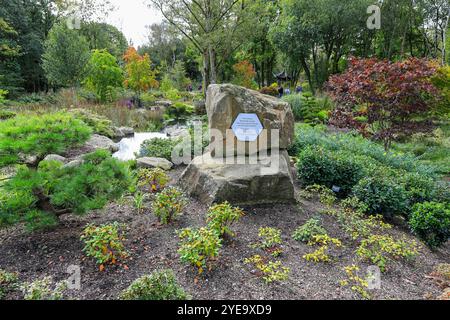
(29, 160)
(98, 142)
(163, 103)
(122, 132)
(267, 180)
(74, 164)
(177, 131)
(154, 163)
(55, 157)
(200, 107)
(225, 102)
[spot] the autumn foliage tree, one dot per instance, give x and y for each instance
(384, 99)
(244, 74)
(139, 73)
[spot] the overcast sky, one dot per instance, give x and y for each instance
(131, 17)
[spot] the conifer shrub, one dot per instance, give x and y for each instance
(39, 197)
(40, 135)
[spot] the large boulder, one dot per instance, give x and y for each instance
(149, 162)
(224, 103)
(267, 180)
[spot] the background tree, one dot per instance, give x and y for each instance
(66, 55)
(10, 80)
(104, 75)
(139, 74)
(211, 26)
(103, 36)
(244, 74)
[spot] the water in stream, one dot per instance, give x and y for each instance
(131, 145)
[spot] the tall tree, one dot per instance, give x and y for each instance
(210, 25)
(103, 75)
(66, 55)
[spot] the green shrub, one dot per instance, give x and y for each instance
(42, 290)
(99, 124)
(148, 99)
(158, 148)
(33, 195)
(40, 135)
(430, 221)
(169, 204)
(383, 195)
(3, 94)
(8, 282)
(318, 166)
(6, 114)
(311, 228)
(179, 111)
(160, 285)
(220, 218)
(104, 243)
(309, 109)
(371, 152)
(199, 247)
(172, 95)
(296, 102)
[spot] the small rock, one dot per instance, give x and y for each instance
(74, 164)
(163, 103)
(55, 157)
(98, 142)
(154, 163)
(177, 131)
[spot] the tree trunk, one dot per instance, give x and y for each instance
(308, 74)
(212, 65)
(205, 72)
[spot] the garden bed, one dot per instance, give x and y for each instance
(152, 247)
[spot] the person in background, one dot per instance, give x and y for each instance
(280, 91)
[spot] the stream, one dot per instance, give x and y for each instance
(131, 145)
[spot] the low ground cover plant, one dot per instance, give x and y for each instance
(105, 243)
(270, 271)
(357, 284)
(44, 289)
(160, 285)
(169, 204)
(8, 282)
(322, 253)
(383, 249)
(270, 241)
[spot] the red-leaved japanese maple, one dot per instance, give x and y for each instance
(394, 97)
